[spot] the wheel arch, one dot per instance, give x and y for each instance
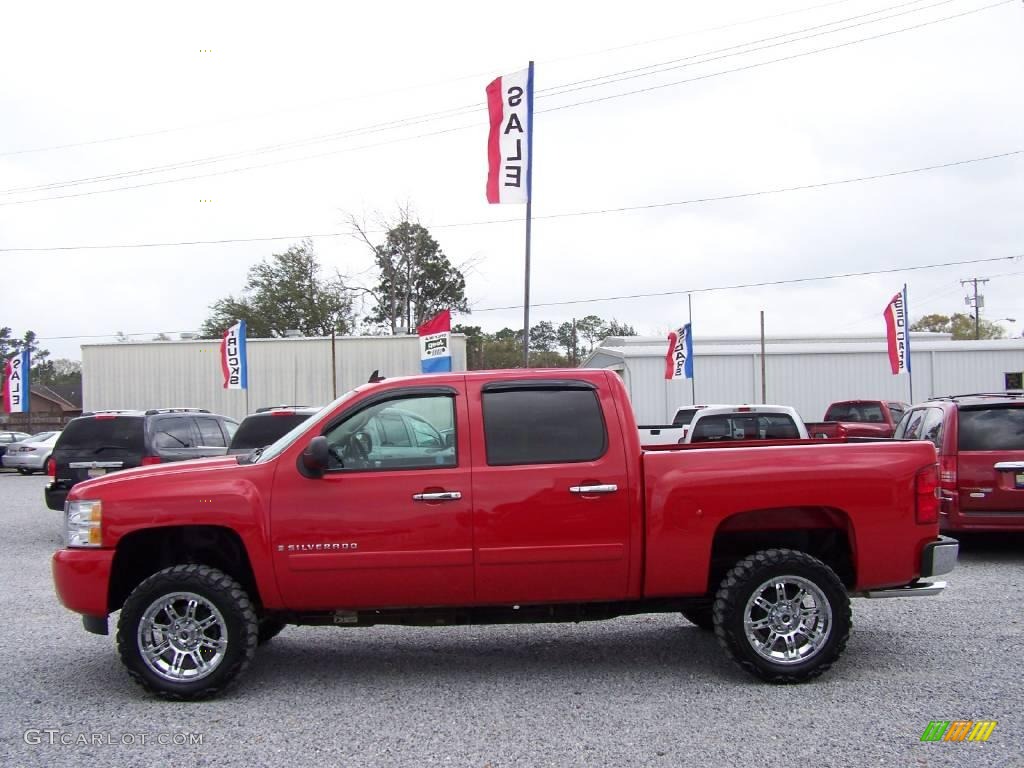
(142, 553)
(826, 533)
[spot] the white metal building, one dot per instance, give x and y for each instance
(294, 371)
(805, 372)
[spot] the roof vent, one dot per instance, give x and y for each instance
(293, 333)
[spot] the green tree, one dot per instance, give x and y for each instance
(961, 326)
(543, 337)
(415, 281)
(283, 293)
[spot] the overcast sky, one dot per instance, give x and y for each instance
(207, 79)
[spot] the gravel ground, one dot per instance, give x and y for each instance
(644, 691)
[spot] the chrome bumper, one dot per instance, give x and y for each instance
(938, 557)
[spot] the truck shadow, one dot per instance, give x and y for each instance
(991, 547)
(310, 656)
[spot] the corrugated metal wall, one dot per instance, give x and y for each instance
(281, 371)
(810, 376)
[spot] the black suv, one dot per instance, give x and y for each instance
(106, 441)
(266, 425)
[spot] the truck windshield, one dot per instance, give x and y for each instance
(744, 426)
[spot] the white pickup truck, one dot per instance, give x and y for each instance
(745, 422)
(672, 434)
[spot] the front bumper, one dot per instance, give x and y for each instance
(81, 578)
(937, 557)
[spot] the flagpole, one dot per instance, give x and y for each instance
(693, 379)
(529, 216)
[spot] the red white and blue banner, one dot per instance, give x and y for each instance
(232, 357)
(679, 358)
(436, 343)
(897, 328)
(510, 142)
(16, 382)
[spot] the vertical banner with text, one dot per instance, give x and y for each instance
(679, 358)
(436, 343)
(509, 165)
(897, 331)
(232, 357)
(16, 382)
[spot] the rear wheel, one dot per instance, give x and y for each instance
(187, 631)
(782, 615)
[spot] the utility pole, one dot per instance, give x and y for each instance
(977, 301)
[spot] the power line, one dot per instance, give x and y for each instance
(476, 106)
(414, 87)
(763, 284)
(678, 292)
(477, 109)
(567, 214)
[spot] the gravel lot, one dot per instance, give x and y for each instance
(644, 691)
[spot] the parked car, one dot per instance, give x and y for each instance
(8, 438)
(528, 499)
(980, 442)
(746, 422)
(30, 455)
(671, 434)
(859, 418)
(97, 443)
(266, 425)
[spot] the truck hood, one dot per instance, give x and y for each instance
(192, 468)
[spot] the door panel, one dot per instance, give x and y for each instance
(357, 537)
(536, 539)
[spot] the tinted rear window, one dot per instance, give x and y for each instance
(683, 418)
(92, 434)
(744, 427)
(992, 429)
(855, 412)
(548, 426)
(258, 431)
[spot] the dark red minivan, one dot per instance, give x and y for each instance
(980, 440)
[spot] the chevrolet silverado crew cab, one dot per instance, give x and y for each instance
(496, 497)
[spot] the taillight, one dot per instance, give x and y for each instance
(51, 467)
(947, 474)
(927, 495)
(147, 460)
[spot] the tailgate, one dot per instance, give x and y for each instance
(990, 460)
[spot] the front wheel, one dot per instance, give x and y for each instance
(782, 615)
(187, 631)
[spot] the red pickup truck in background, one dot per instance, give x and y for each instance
(496, 497)
(859, 418)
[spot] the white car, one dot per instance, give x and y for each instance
(745, 422)
(30, 455)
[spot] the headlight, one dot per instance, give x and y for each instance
(83, 523)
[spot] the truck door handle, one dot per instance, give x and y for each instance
(439, 496)
(1009, 466)
(589, 489)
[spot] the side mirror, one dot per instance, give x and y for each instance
(315, 459)
(449, 439)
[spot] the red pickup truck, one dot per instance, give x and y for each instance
(859, 418)
(496, 497)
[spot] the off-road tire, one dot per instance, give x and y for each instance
(750, 575)
(221, 591)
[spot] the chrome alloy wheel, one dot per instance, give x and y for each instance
(182, 637)
(787, 620)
